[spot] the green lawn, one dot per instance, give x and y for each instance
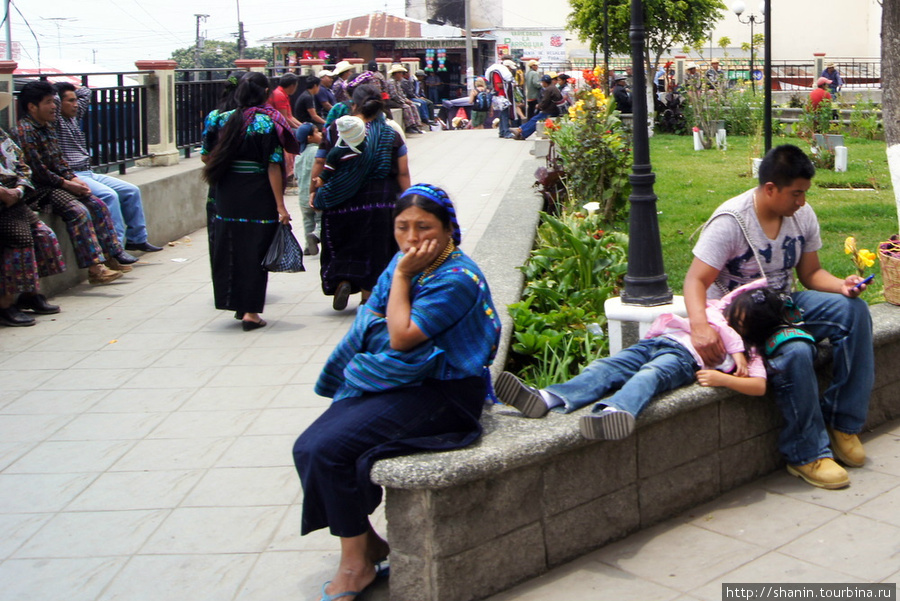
(690, 185)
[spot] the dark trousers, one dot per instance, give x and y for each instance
(335, 453)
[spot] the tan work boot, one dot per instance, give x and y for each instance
(847, 448)
(116, 266)
(824, 473)
(103, 276)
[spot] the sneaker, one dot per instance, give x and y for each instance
(12, 317)
(104, 276)
(847, 448)
(511, 391)
(312, 245)
(609, 424)
(116, 266)
(824, 473)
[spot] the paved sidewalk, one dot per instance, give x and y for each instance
(145, 448)
(145, 439)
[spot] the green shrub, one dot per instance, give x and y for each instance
(594, 150)
(558, 325)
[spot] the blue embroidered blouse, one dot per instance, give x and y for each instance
(452, 306)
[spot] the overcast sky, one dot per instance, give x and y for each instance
(115, 33)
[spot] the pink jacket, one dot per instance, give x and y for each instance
(679, 329)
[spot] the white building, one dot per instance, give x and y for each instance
(800, 28)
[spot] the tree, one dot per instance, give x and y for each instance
(667, 23)
(216, 54)
(890, 95)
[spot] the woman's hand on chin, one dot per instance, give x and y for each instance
(416, 259)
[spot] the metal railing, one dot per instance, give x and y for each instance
(196, 94)
(114, 127)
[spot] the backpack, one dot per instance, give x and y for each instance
(482, 102)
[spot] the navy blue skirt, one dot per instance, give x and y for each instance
(335, 454)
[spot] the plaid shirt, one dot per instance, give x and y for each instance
(42, 153)
(71, 137)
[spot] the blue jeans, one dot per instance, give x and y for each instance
(504, 124)
(847, 324)
(424, 109)
(529, 126)
(124, 203)
(637, 373)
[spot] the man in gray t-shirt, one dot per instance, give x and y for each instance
(724, 246)
(771, 229)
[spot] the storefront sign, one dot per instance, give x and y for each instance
(424, 44)
(548, 45)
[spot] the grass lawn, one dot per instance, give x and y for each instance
(690, 185)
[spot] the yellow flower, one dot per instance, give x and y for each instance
(598, 95)
(867, 257)
(850, 245)
(572, 112)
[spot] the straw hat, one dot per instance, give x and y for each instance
(690, 66)
(397, 69)
(510, 64)
(340, 68)
(324, 73)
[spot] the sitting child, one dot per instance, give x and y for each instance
(663, 361)
(351, 143)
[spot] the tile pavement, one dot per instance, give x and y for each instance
(145, 448)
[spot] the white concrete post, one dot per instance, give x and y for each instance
(7, 115)
(160, 111)
(618, 313)
(840, 159)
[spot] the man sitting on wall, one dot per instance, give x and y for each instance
(121, 198)
(58, 189)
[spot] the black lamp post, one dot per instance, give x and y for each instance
(738, 8)
(646, 282)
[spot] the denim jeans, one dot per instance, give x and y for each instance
(124, 203)
(529, 126)
(424, 109)
(637, 373)
(504, 124)
(847, 324)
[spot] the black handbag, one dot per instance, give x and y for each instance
(284, 254)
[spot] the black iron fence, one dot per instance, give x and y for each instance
(115, 126)
(197, 93)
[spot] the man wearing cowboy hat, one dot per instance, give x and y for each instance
(532, 87)
(837, 82)
(398, 100)
(341, 74)
(715, 75)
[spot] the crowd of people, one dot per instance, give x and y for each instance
(47, 168)
(412, 372)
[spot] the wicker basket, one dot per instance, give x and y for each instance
(890, 274)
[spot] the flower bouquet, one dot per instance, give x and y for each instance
(889, 255)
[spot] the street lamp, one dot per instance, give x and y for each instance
(646, 283)
(738, 8)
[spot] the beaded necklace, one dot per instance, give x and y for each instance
(448, 250)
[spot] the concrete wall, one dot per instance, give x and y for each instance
(174, 205)
(532, 494)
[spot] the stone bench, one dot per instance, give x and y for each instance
(174, 200)
(533, 494)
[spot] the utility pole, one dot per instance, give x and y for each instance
(8, 34)
(198, 42)
(56, 21)
(241, 41)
